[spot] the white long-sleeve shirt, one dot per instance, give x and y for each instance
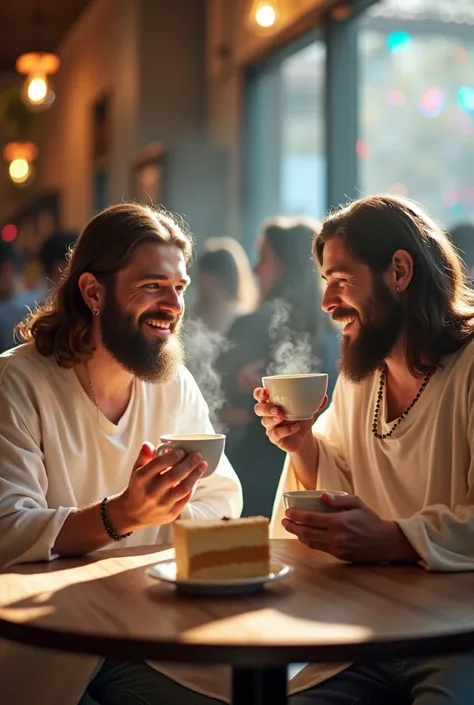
(59, 452)
(422, 476)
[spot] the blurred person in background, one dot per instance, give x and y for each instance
(226, 287)
(53, 255)
(462, 237)
(289, 309)
(15, 298)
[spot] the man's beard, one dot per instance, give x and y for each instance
(383, 322)
(151, 360)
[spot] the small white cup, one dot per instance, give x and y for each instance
(299, 396)
(209, 445)
(310, 500)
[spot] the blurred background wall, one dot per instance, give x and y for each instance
(227, 113)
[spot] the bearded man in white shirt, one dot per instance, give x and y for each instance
(82, 405)
(398, 436)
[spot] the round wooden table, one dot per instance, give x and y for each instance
(326, 611)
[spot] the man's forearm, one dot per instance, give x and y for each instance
(83, 531)
(305, 462)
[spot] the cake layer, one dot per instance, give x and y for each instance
(222, 540)
(226, 548)
(232, 571)
(237, 555)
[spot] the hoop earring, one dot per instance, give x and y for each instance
(95, 311)
(398, 289)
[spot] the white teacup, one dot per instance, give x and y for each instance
(299, 396)
(310, 500)
(209, 445)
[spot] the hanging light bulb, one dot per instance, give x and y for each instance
(20, 157)
(19, 171)
(265, 16)
(36, 92)
(37, 89)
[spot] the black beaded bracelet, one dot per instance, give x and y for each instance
(107, 524)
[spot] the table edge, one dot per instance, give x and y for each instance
(236, 654)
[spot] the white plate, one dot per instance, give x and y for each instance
(166, 571)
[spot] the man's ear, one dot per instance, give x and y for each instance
(400, 272)
(92, 291)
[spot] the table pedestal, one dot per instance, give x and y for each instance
(265, 686)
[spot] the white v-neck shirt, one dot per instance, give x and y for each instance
(59, 452)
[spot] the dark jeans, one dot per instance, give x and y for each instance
(438, 681)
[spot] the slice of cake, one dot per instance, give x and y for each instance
(221, 548)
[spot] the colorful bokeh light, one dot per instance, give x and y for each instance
(465, 99)
(9, 232)
(432, 102)
(398, 41)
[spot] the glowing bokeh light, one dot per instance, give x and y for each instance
(432, 102)
(466, 98)
(37, 90)
(9, 232)
(19, 170)
(398, 41)
(265, 16)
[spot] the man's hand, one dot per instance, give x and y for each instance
(159, 488)
(354, 533)
(287, 435)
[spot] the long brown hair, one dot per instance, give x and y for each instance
(439, 304)
(62, 325)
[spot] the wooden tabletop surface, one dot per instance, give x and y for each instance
(325, 611)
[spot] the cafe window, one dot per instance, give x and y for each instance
(285, 157)
(416, 134)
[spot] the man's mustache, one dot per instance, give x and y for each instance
(341, 313)
(160, 316)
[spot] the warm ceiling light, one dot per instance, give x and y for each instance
(20, 157)
(37, 66)
(264, 16)
(37, 89)
(19, 171)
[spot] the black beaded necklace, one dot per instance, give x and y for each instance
(378, 403)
